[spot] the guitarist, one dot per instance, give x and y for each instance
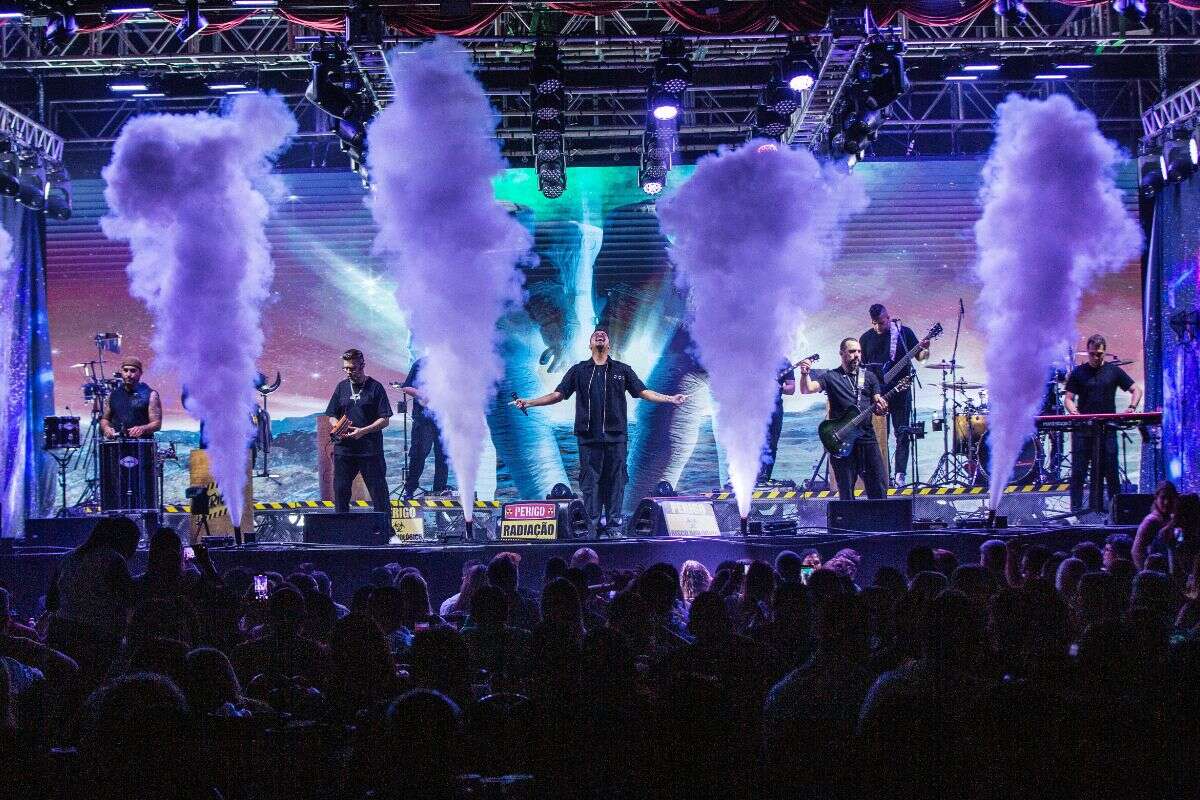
(852, 387)
(885, 342)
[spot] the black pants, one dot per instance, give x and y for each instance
(1082, 455)
(374, 473)
(865, 461)
(771, 448)
(602, 478)
(899, 417)
(426, 436)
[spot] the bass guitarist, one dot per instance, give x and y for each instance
(852, 387)
(882, 345)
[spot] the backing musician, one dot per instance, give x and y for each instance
(133, 409)
(599, 384)
(359, 449)
(426, 436)
(1092, 389)
(848, 386)
(787, 385)
(882, 345)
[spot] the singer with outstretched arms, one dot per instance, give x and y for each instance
(601, 424)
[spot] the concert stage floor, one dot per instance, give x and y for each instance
(25, 571)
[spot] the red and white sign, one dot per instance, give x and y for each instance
(530, 511)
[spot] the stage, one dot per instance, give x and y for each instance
(26, 570)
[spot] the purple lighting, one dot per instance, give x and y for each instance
(800, 83)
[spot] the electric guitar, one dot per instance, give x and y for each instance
(903, 362)
(814, 358)
(839, 435)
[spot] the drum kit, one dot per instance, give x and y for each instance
(123, 474)
(964, 423)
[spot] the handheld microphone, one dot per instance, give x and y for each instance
(961, 309)
(516, 397)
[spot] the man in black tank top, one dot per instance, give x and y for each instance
(133, 409)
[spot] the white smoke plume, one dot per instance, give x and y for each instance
(191, 193)
(754, 230)
(1053, 222)
(451, 247)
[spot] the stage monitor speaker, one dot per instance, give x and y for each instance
(352, 528)
(674, 517)
(1130, 509)
(872, 516)
(58, 531)
(543, 520)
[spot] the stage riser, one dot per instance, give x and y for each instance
(26, 573)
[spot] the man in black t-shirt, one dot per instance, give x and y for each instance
(882, 346)
(787, 385)
(601, 424)
(359, 449)
(850, 386)
(1092, 389)
(426, 436)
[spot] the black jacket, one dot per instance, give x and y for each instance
(621, 378)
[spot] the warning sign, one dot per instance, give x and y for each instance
(529, 521)
(407, 524)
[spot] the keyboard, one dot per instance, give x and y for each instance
(1074, 422)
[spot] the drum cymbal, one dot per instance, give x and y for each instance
(942, 365)
(962, 386)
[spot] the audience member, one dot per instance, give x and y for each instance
(503, 574)
(693, 579)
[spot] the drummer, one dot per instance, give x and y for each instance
(133, 410)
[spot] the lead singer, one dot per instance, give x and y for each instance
(601, 425)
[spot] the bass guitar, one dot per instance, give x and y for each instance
(902, 363)
(839, 435)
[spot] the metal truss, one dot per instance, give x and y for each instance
(19, 128)
(630, 37)
(1180, 107)
(608, 59)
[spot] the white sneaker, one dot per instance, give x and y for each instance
(899, 480)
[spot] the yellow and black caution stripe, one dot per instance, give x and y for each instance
(301, 505)
(925, 491)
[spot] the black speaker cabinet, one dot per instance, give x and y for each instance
(58, 531)
(870, 515)
(1131, 509)
(351, 528)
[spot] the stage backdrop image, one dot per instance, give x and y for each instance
(601, 260)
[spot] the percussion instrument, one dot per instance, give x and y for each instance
(1025, 471)
(969, 430)
(963, 386)
(128, 474)
(60, 433)
(344, 424)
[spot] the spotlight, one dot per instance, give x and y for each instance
(546, 74)
(664, 105)
(673, 69)
(882, 77)
(1133, 13)
(552, 174)
(31, 182)
(61, 27)
(58, 194)
(657, 149)
(549, 105)
(1150, 175)
(1014, 12)
(191, 23)
(1179, 160)
(769, 123)
(780, 98)
(547, 137)
(9, 184)
(335, 87)
(800, 68)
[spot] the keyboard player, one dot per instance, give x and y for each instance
(1092, 389)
